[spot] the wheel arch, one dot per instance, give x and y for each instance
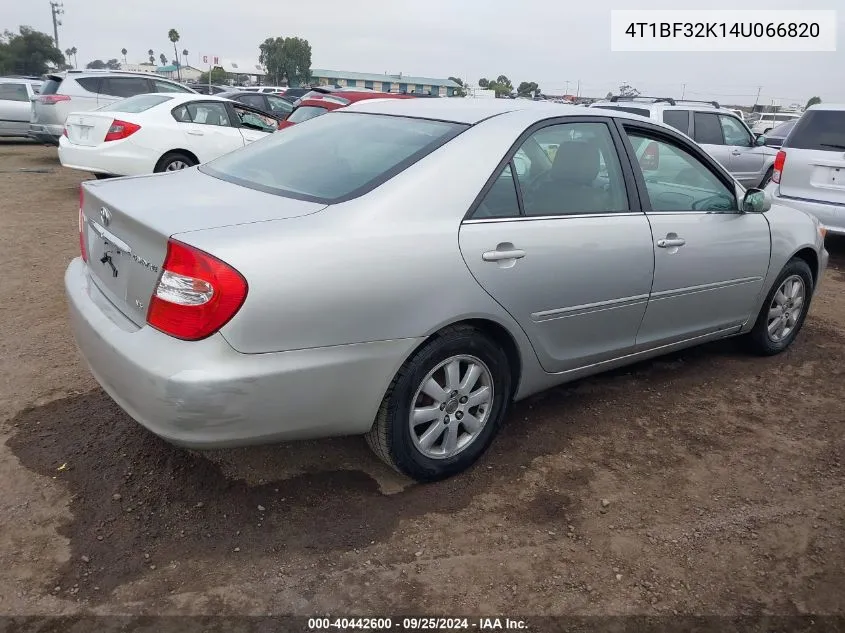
(185, 152)
(810, 256)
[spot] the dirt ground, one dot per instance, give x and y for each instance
(723, 474)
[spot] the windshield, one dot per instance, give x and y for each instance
(138, 103)
(303, 113)
(334, 157)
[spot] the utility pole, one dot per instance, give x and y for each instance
(566, 92)
(759, 88)
(683, 91)
(57, 9)
(579, 89)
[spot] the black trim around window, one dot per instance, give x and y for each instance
(634, 205)
(667, 136)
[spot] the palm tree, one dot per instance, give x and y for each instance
(68, 55)
(185, 57)
(75, 61)
(173, 36)
(152, 59)
(163, 59)
(124, 51)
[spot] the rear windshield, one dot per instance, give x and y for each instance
(51, 86)
(782, 130)
(628, 109)
(303, 113)
(333, 158)
(138, 103)
(819, 129)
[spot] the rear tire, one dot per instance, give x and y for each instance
(470, 367)
(784, 310)
(174, 161)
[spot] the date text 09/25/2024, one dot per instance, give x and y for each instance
(417, 624)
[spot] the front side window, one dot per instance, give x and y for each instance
(13, 92)
(708, 130)
(255, 121)
(334, 157)
(571, 168)
(278, 105)
(675, 180)
(256, 101)
(734, 131)
(204, 113)
(166, 86)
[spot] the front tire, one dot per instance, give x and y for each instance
(784, 310)
(444, 407)
(174, 161)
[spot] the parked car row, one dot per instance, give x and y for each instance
(560, 242)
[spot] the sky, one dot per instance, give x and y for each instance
(555, 43)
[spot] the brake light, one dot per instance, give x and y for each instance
(64, 131)
(120, 129)
(777, 170)
(196, 295)
(82, 250)
(52, 99)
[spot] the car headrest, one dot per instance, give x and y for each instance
(576, 162)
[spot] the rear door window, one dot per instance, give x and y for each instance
(279, 105)
(708, 131)
(166, 86)
(91, 84)
(678, 119)
(256, 101)
(206, 113)
(124, 86)
(13, 92)
(819, 130)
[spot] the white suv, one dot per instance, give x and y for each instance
(719, 131)
(82, 90)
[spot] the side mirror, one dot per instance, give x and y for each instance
(650, 160)
(760, 140)
(756, 201)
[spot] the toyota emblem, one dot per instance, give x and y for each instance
(105, 216)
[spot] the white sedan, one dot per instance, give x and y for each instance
(159, 132)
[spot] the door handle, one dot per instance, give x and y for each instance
(195, 133)
(671, 242)
(736, 152)
(498, 256)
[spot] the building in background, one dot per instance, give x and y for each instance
(384, 82)
(188, 73)
(139, 68)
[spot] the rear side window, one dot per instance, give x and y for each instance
(820, 130)
(13, 92)
(91, 84)
(334, 157)
(303, 113)
(124, 86)
(678, 119)
(138, 103)
(166, 86)
(708, 130)
(640, 111)
(51, 86)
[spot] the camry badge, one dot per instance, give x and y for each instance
(105, 216)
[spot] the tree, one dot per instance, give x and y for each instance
(627, 90)
(173, 36)
(123, 52)
(73, 52)
(163, 59)
(185, 57)
(151, 53)
(28, 52)
(460, 91)
(483, 83)
(68, 55)
(528, 89)
(218, 76)
(813, 101)
(113, 64)
(287, 59)
(502, 86)
(97, 64)
(152, 59)
(608, 96)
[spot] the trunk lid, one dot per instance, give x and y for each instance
(88, 128)
(815, 158)
(128, 222)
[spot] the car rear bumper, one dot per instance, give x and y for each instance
(44, 133)
(204, 394)
(832, 216)
(118, 158)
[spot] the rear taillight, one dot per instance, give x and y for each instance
(52, 99)
(777, 170)
(120, 129)
(64, 132)
(196, 294)
(82, 250)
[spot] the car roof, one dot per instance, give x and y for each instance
(18, 80)
(827, 106)
(461, 110)
(181, 97)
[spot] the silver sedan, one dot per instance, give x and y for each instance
(407, 269)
